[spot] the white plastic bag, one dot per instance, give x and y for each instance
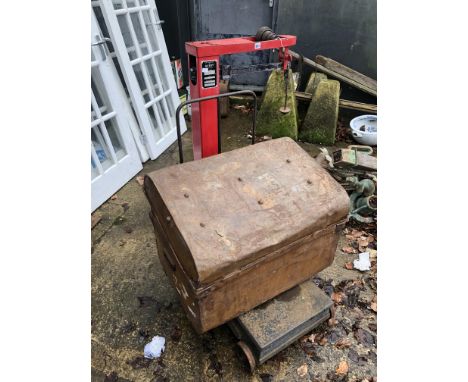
(363, 264)
(154, 348)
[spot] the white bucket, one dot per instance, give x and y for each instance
(364, 129)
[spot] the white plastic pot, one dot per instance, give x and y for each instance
(364, 129)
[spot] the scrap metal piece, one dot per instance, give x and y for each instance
(355, 156)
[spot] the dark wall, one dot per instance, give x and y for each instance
(176, 28)
(345, 30)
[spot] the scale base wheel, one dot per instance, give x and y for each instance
(248, 354)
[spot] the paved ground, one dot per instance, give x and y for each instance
(132, 301)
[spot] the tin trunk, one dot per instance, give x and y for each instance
(237, 229)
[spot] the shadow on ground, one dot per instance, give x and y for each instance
(132, 301)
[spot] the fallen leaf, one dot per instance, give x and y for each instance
(113, 197)
(308, 347)
(343, 343)
(316, 358)
(348, 250)
(149, 301)
(342, 368)
(266, 377)
(333, 337)
(372, 253)
(356, 358)
(372, 356)
(302, 370)
(139, 362)
(311, 338)
(323, 341)
(364, 337)
(337, 297)
(349, 266)
(176, 334)
(373, 304)
(140, 180)
(357, 234)
(112, 377)
(363, 242)
(95, 219)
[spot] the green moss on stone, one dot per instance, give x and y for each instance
(270, 121)
(319, 124)
(313, 82)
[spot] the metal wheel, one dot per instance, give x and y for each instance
(248, 353)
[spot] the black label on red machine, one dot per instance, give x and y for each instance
(208, 69)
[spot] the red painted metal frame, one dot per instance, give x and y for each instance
(205, 115)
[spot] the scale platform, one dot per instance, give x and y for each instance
(269, 328)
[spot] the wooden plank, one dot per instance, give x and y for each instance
(347, 72)
(334, 74)
(344, 103)
(353, 105)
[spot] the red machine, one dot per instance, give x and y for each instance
(204, 72)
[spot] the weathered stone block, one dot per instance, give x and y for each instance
(319, 124)
(270, 121)
(314, 80)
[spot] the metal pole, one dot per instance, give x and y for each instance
(218, 96)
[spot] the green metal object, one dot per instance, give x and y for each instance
(363, 202)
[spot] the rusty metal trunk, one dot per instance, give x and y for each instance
(237, 229)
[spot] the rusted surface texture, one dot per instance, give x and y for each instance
(269, 321)
(240, 291)
(231, 209)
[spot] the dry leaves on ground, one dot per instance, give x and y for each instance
(364, 337)
(349, 266)
(373, 304)
(337, 297)
(359, 240)
(302, 370)
(140, 180)
(343, 343)
(349, 250)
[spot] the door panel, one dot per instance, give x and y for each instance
(114, 156)
(139, 45)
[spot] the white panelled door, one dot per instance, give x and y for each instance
(138, 40)
(114, 156)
